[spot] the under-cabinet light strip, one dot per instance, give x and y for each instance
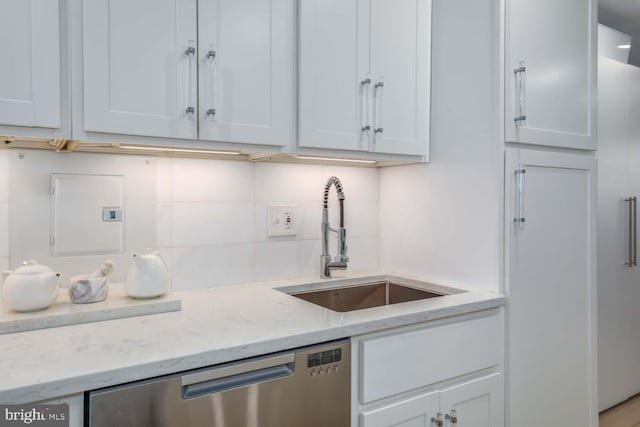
(178, 150)
(333, 159)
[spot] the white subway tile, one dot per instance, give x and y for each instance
(275, 260)
(211, 223)
(260, 226)
(360, 218)
(309, 257)
(163, 179)
(163, 225)
(363, 253)
(359, 184)
(4, 175)
(309, 220)
(212, 266)
(288, 182)
(167, 256)
(195, 180)
(4, 229)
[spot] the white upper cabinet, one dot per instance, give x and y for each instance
(550, 74)
(334, 64)
(140, 67)
(246, 64)
(30, 74)
(400, 72)
(364, 75)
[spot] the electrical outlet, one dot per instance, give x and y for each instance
(281, 220)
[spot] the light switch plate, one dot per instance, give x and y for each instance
(281, 220)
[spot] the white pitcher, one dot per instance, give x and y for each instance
(147, 276)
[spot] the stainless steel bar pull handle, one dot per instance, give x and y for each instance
(634, 259)
(190, 52)
(211, 67)
(239, 375)
(520, 74)
(365, 127)
(631, 231)
(377, 108)
(519, 218)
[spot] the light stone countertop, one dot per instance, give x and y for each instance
(214, 326)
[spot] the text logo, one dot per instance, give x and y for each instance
(34, 415)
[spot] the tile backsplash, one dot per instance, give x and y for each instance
(211, 217)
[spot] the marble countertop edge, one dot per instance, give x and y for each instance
(25, 387)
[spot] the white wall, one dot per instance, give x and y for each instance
(210, 217)
(441, 221)
(608, 42)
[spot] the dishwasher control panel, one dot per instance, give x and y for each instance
(324, 362)
(324, 357)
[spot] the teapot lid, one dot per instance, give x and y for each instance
(147, 253)
(32, 267)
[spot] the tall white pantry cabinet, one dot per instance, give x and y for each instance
(550, 213)
(618, 192)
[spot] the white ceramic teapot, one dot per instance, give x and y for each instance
(30, 287)
(147, 276)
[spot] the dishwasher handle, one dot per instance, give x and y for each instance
(236, 376)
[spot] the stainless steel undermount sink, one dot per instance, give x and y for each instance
(358, 297)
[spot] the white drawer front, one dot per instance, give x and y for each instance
(398, 363)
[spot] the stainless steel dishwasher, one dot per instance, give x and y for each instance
(306, 387)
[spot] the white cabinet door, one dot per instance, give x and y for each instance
(333, 63)
(413, 412)
(618, 179)
(400, 58)
(30, 74)
(246, 71)
(618, 314)
(556, 43)
(551, 285)
(478, 403)
(139, 76)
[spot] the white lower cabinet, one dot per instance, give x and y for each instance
(413, 412)
(441, 373)
(76, 408)
(477, 403)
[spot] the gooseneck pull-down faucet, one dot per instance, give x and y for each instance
(341, 260)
